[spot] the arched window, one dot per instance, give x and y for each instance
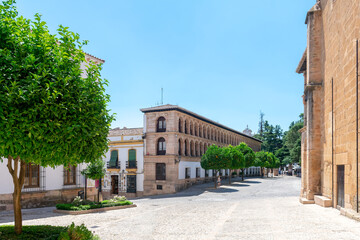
(161, 124)
(192, 152)
(180, 130)
(191, 128)
(179, 147)
(196, 130)
(185, 128)
(161, 147)
(196, 150)
(186, 148)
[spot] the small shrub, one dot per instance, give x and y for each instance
(32, 232)
(77, 201)
(119, 198)
(64, 206)
(95, 206)
(77, 233)
(87, 202)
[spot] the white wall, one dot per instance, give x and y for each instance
(54, 178)
(192, 166)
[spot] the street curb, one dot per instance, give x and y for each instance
(68, 212)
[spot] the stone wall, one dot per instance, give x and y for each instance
(47, 198)
(329, 135)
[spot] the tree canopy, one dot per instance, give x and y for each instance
(95, 170)
(285, 145)
(50, 114)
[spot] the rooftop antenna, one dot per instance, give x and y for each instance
(162, 96)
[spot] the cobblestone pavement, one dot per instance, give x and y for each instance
(257, 208)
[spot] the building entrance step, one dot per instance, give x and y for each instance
(306, 201)
(322, 201)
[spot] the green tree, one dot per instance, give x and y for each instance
(95, 170)
(292, 140)
(237, 158)
(215, 159)
(249, 157)
(273, 162)
(49, 114)
(261, 160)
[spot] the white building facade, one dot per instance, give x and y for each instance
(124, 163)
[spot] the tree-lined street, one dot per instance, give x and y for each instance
(257, 208)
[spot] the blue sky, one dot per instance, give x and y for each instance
(224, 59)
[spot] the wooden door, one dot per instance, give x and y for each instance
(114, 184)
(340, 185)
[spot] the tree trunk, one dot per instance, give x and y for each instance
(262, 172)
(230, 176)
(242, 174)
(85, 194)
(18, 181)
(215, 179)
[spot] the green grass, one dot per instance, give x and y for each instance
(42, 232)
(105, 203)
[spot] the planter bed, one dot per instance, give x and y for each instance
(95, 210)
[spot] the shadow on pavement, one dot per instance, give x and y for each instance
(238, 185)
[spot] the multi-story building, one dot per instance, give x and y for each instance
(175, 139)
(124, 163)
(330, 137)
(46, 186)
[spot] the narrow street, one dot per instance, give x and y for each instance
(254, 209)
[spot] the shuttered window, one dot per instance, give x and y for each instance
(160, 171)
(113, 159)
(132, 155)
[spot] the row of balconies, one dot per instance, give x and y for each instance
(129, 165)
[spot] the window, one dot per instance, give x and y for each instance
(185, 128)
(132, 158)
(220, 173)
(179, 148)
(197, 172)
(70, 175)
(161, 147)
(206, 173)
(114, 162)
(187, 172)
(159, 187)
(180, 126)
(160, 171)
(161, 124)
(186, 148)
(32, 177)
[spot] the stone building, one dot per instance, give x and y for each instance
(175, 139)
(124, 163)
(46, 186)
(330, 142)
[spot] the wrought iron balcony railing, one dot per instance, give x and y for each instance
(111, 165)
(131, 164)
